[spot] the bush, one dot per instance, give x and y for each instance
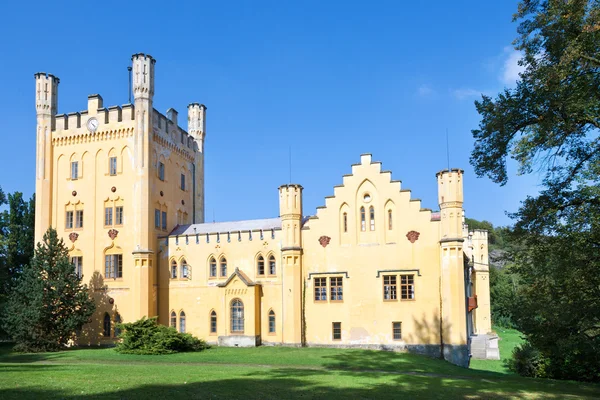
(528, 361)
(146, 336)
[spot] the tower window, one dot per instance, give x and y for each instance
(213, 322)
(119, 215)
(182, 181)
(74, 170)
(108, 216)
(272, 265)
(161, 171)
(390, 223)
(164, 220)
(260, 267)
(78, 265)
(79, 219)
(271, 321)
(173, 269)
(184, 270)
(213, 267)
(112, 166)
(237, 316)
(157, 218)
(372, 217)
(345, 222)
(113, 266)
(363, 223)
(69, 220)
(223, 266)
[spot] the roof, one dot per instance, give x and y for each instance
(230, 226)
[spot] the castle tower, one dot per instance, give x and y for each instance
(197, 129)
(46, 105)
(481, 279)
(144, 241)
(290, 210)
(452, 274)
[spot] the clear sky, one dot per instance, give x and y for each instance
(330, 79)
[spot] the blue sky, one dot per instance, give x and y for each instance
(329, 79)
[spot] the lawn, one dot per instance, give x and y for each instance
(262, 373)
(509, 339)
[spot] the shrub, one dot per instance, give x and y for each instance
(146, 336)
(528, 361)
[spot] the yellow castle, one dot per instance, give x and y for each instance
(124, 187)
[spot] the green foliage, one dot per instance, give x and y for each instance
(550, 123)
(504, 285)
(48, 303)
(528, 361)
(146, 337)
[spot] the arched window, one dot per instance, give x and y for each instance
(272, 269)
(173, 269)
(390, 223)
(182, 322)
(372, 217)
(173, 320)
(345, 222)
(106, 325)
(363, 223)
(213, 267)
(271, 321)
(184, 269)
(237, 316)
(260, 265)
(223, 266)
(213, 322)
(117, 321)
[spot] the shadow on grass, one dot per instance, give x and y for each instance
(289, 383)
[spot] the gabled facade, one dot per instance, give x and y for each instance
(372, 268)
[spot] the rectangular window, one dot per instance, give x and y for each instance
(164, 220)
(119, 215)
(182, 181)
(113, 266)
(337, 331)
(74, 170)
(69, 220)
(407, 287)
(79, 219)
(157, 218)
(161, 171)
(389, 287)
(78, 266)
(335, 285)
(397, 330)
(112, 165)
(320, 289)
(108, 216)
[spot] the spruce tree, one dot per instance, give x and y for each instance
(49, 303)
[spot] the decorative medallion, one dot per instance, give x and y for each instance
(73, 236)
(113, 189)
(113, 233)
(412, 236)
(217, 247)
(182, 203)
(265, 244)
(111, 300)
(324, 240)
(74, 193)
(161, 193)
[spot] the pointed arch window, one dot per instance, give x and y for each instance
(237, 316)
(271, 321)
(345, 222)
(260, 265)
(106, 325)
(223, 266)
(363, 222)
(173, 269)
(185, 272)
(212, 267)
(390, 220)
(182, 322)
(117, 322)
(213, 322)
(173, 320)
(372, 217)
(272, 265)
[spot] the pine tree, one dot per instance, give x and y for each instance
(48, 303)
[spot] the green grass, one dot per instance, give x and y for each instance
(263, 373)
(509, 339)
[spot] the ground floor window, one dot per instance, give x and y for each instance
(337, 331)
(173, 320)
(320, 289)
(237, 316)
(182, 322)
(407, 286)
(213, 322)
(397, 330)
(271, 321)
(106, 325)
(117, 328)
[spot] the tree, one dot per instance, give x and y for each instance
(550, 122)
(48, 303)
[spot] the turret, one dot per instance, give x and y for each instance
(290, 210)
(481, 283)
(46, 106)
(197, 130)
(450, 197)
(143, 75)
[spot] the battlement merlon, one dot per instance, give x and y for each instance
(46, 93)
